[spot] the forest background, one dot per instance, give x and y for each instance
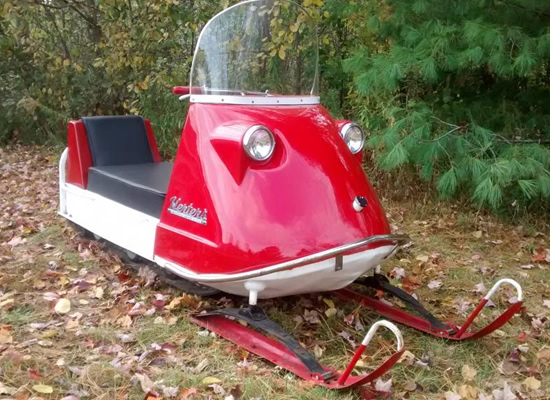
(453, 93)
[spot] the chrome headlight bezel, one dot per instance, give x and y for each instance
(345, 133)
(251, 136)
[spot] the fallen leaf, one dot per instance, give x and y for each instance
(33, 374)
(187, 394)
(452, 396)
(477, 234)
(144, 381)
(7, 390)
(546, 303)
(544, 354)
(531, 383)
(98, 293)
(63, 306)
(467, 392)
(16, 241)
(5, 337)
(125, 321)
(480, 288)
(209, 380)
(45, 389)
(312, 316)
(468, 373)
(508, 367)
(318, 351)
(217, 389)
(329, 303)
(435, 284)
(423, 259)
(397, 273)
(528, 266)
(382, 386)
(348, 337)
(410, 386)
(170, 391)
(331, 312)
(152, 396)
(504, 394)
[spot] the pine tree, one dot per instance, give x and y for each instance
(460, 90)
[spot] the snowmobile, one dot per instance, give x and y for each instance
(266, 196)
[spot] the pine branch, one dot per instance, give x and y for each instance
(535, 10)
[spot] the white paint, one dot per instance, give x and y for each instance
(253, 289)
(62, 179)
(315, 277)
(130, 229)
(509, 281)
(387, 324)
(255, 100)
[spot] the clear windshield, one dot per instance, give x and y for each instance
(259, 48)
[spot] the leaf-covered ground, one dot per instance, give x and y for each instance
(76, 323)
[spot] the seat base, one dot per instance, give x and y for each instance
(140, 186)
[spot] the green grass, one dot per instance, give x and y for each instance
(19, 315)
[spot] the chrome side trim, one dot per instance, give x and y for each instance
(298, 262)
(255, 100)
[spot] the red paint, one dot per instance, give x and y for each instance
(80, 158)
(278, 354)
(353, 362)
(183, 90)
(180, 90)
(152, 141)
(296, 203)
(405, 318)
(471, 318)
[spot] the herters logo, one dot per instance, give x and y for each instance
(187, 211)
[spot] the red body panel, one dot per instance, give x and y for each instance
(263, 213)
(152, 141)
(79, 159)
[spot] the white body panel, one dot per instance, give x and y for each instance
(320, 276)
(135, 231)
(121, 225)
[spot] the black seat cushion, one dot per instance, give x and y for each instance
(140, 186)
(118, 140)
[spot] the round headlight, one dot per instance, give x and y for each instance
(353, 136)
(258, 142)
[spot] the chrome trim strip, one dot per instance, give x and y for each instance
(255, 100)
(298, 262)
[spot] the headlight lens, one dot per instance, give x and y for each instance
(258, 142)
(353, 137)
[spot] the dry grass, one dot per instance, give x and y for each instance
(94, 352)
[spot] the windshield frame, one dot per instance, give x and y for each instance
(266, 99)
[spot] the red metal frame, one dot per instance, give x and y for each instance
(278, 354)
(80, 158)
